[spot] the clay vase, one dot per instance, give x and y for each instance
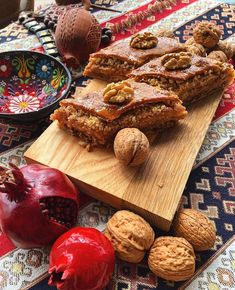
(78, 34)
(9, 10)
(86, 3)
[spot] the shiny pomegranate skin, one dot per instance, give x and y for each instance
(82, 258)
(37, 205)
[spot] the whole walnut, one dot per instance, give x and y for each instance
(190, 41)
(172, 259)
(130, 235)
(233, 48)
(225, 47)
(206, 34)
(196, 49)
(218, 55)
(165, 33)
(131, 146)
(196, 228)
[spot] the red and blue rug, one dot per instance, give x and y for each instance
(211, 185)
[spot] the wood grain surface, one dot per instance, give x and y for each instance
(155, 188)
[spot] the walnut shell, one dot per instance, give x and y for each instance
(196, 228)
(206, 34)
(172, 259)
(190, 41)
(131, 146)
(225, 47)
(196, 49)
(130, 235)
(218, 55)
(165, 33)
(233, 48)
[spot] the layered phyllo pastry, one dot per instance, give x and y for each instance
(191, 77)
(116, 61)
(97, 116)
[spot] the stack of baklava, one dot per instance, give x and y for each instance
(152, 75)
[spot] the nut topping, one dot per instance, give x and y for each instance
(144, 40)
(179, 60)
(119, 93)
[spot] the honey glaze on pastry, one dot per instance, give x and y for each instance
(190, 81)
(98, 121)
(117, 60)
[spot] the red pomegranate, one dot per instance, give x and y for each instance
(37, 204)
(78, 34)
(82, 258)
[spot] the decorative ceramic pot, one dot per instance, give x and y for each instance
(86, 3)
(9, 10)
(78, 34)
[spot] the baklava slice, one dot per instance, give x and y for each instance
(97, 116)
(191, 77)
(116, 61)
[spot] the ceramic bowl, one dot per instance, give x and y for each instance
(31, 84)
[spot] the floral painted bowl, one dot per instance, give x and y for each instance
(31, 84)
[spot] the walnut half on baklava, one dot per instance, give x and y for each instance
(117, 60)
(191, 77)
(98, 116)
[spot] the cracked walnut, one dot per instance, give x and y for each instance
(181, 60)
(206, 34)
(119, 93)
(144, 40)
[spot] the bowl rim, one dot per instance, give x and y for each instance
(53, 103)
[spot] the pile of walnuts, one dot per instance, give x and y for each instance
(170, 258)
(206, 42)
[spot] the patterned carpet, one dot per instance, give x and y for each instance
(210, 188)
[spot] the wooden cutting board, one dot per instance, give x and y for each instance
(154, 189)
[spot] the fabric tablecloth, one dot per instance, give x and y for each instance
(210, 187)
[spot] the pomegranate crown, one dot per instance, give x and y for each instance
(13, 183)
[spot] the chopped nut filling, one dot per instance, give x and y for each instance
(190, 89)
(95, 130)
(114, 62)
